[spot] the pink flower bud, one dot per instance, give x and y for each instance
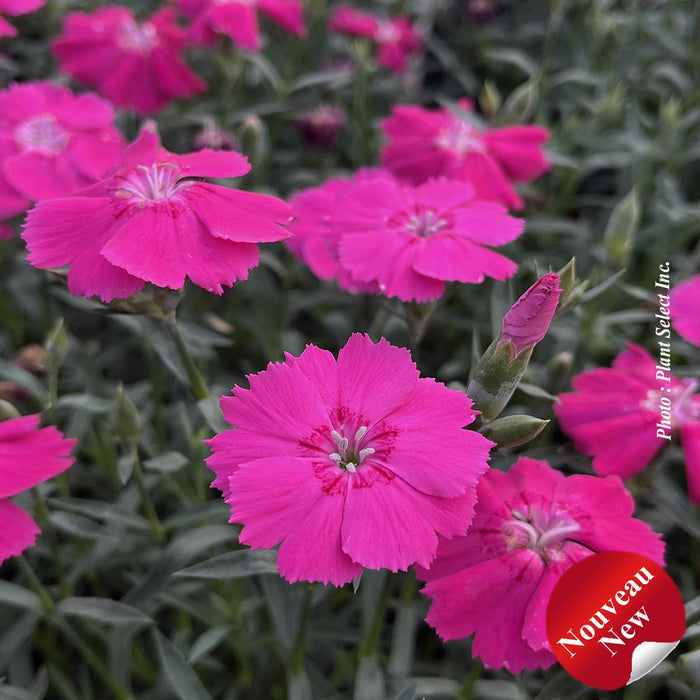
(528, 319)
(321, 127)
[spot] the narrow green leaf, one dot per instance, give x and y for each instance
(599, 289)
(537, 391)
(234, 565)
(105, 610)
(18, 597)
(85, 402)
(177, 673)
(14, 636)
(208, 642)
(167, 463)
(369, 680)
(28, 382)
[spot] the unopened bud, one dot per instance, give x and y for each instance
(321, 126)
(513, 431)
(127, 426)
(56, 345)
(528, 319)
(213, 136)
(482, 11)
(622, 228)
(502, 366)
(496, 377)
(558, 372)
(489, 99)
(253, 138)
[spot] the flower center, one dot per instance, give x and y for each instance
(544, 534)
(350, 453)
(41, 134)
(387, 33)
(460, 138)
(152, 183)
(137, 38)
(424, 224)
(682, 407)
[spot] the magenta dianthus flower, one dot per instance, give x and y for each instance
(685, 309)
(396, 37)
(313, 240)
(28, 456)
(351, 463)
(623, 415)
(16, 7)
(427, 143)
(531, 525)
(410, 241)
(52, 143)
(238, 19)
(137, 65)
(152, 222)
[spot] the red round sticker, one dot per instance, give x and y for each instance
(612, 617)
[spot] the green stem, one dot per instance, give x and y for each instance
(42, 515)
(92, 659)
(67, 630)
(465, 691)
(36, 584)
(197, 383)
(373, 634)
(296, 661)
(148, 506)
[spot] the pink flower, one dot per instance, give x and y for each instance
(52, 143)
(531, 525)
(138, 65)
(430, 143)
(28, 456)
(410, 241)
(238, 19)
(313, 241)
(624, 415)
(395, 37)
(16, 7)
(152, 222)
(310, 240)
(685, 309)
(527, 322)
(350, 463)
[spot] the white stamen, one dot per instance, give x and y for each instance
(335, 457)
(366, 452)
(556, 533)
(351, 467)
(530, 531)
(361, 432)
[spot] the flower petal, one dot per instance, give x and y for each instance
(489, 599)
(363, 366)
(30, 455)
(18, 530)
(436, 456)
